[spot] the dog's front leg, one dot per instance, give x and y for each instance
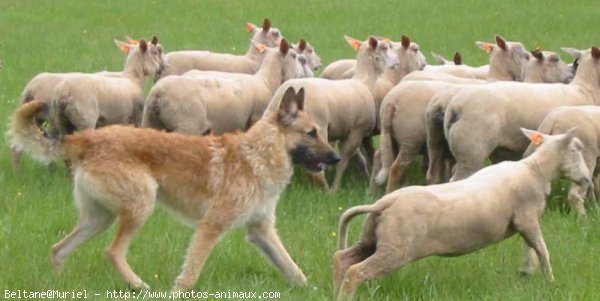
(205, 238)
(264, 236)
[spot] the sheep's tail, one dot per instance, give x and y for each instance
(350, 214)
(25, 135)
(387, 150)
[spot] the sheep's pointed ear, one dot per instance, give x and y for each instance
(143, 46)
(284, 47)
(537, 53)
(154, 41)
(302, 45)
(440, 59)
(535, 137)
(131, 41)
(571, 133)
(288, 107)
(373, 42)
(354, 43)
(124, 47)
(250, 27)
(405, 41)
(576, 53)
(595, 53)
(501, 42)
(259, 46)
(266, 25)
(457, 58)
(485, 46)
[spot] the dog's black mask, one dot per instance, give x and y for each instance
(311, 160)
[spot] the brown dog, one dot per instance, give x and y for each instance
(216, 182)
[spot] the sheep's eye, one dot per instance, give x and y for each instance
(312, 134)
(293, 55)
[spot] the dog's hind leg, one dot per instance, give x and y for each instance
(264, 236)
(93, 220)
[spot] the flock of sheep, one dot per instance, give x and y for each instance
(456, 115)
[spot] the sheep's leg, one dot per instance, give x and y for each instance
(374, 172)
(405, 157)
(369, 149)
(264, 236)
(532, 234)
(344, 259)
(381, 263)
(349, 147)
(436, 145)
(93, 220)
(361, 162)
(320, 180)
(576, 198)
(530, 260)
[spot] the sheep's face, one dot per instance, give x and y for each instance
(289, 64)
(410, 56)
(382, 55)
(567, 150)
(302, 67)
(573, 166)
(267, 35)
(588, 63)
(547, 67)
(314, 60)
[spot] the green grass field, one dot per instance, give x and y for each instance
(36, 207)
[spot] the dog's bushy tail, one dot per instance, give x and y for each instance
(350, 214)
(25, 135)
(387, 150)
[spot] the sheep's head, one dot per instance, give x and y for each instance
(566, 149)
(378, 52)
(587, 63)
(547, 67)
(409, 54)
(305, 49)
(148, 56)
(511, 57)
(267, 35)
(284, 54)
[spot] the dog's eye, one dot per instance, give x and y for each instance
(312, 134)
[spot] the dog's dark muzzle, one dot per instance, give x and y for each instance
(314, 161)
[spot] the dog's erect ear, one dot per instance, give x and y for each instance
(143, 46)
(300, 99)
(288, 107)
(250, 27)
(266, 25)
(284, 47)
(457, 58)
(501, 42)
(405, 41)
(124, 47)
(154, 40)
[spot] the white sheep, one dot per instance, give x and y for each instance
(200, 102)
(179, 62)
(403, 112)
(542, 67)
(482, 122)
(345, 109)
(585, 119)
(87, 101)
(459, 218)
(41, 87)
